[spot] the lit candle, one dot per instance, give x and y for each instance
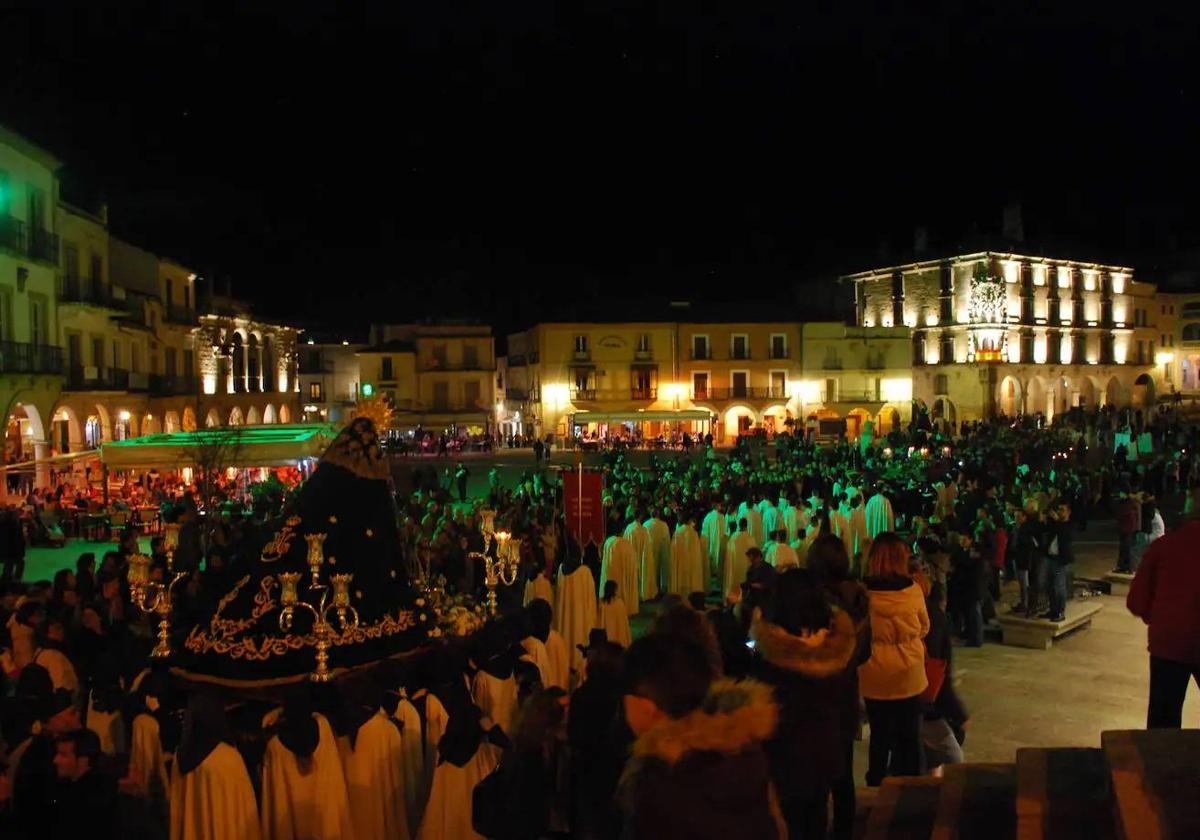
(316, 551)
(287, 588)
(341, 589)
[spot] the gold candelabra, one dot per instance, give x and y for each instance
(153, 597)
(170, 543)
(325, 612)
(503, 567)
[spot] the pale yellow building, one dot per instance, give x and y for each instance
(651, 379)
(31, 366)
(441, 377)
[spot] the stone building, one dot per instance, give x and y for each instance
(1006, 334)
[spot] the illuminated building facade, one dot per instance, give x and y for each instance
(1009, 334)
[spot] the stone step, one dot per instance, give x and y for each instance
(978, 802)
(1118, 583)
(1039, 633)
(904, 809)
(1064, 793)
(1156, 781)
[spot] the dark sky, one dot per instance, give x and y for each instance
(347, 161)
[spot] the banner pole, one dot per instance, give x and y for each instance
(579, 502)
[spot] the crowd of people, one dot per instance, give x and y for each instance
(797, 592)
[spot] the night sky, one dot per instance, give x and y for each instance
(347, 162)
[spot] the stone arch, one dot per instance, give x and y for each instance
(1142, 395)
(1114, 394)
(151, 424)
(269, 414)
(235, 416)
(1062, 395)
(735, 420)
(252, 416)
(253, 366)
(212, 419)
(1088, 388)
(1009, 396)
(171, 422)
(67, 430)
(944, 412)
(775, 417)
(888, 420)
(188, 420)
(268, 364)
(1036, 396)
(856, 421)
(285, 414)
(124, 424)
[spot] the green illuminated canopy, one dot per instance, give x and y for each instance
(226, 446)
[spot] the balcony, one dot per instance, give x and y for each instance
(516, 360)
(92, 292)
(177, 314)
(582, 356)
(700, 354)
(97, 379)
(516, 394)
(37, 244)
(743, 355)
(852, 397)
(20, 357)
(614, 394)
(643, 355)
(779, 353)
(643, 394)
(743, 393)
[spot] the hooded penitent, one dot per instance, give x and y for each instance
(706, 774)
(348, 498)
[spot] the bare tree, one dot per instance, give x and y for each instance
(214, 450)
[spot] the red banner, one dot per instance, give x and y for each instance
(583, 493)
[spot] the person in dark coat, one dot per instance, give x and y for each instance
(945, 718)
(86, 798)
(806, 650)
(1060, 554)
(698, 768)
(599, 741)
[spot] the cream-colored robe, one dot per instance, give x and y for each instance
(614, 620)
(620, 563)
(575, 611)
(559, 657)
(374, 770)
(215, 801)
(305, 806)
(448, 814)
(689, 569)
(496, 698)
(412, 760)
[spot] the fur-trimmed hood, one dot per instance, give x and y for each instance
(819, 655)
(734, 716)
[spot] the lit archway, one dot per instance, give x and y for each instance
(252, 418)
(856, 422)
(1142, 395)
(285, 414)
(739, 420)
(1036, 396)
(24, 429)
(212, 420)
(774, 419)
(1009, 398)
(151, 425)
(189, 419)
(943, 413)
(1087, 392)
(269, 414)
(1114, 394)
(253, 369)
(1062, 395)
(237, 362)
(171, 422)
(888, 420)
(67, 432)
(124, 425)
(235, 417)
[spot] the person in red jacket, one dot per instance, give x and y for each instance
(1127, 525)
(1164, 594)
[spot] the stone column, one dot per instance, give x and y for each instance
(41, 451)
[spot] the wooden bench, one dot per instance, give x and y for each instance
(1040, 633)
(1118, 582)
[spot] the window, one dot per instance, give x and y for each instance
(6, 321)
(385, 369)
(135, 358)
(700, 386)
(5, 194)
(778, 346)
(700, 347)
(740, 346)
(169, 296)
(470, 356)
(739, 383)
(581, 344)
(38, 327)
(778, 384)
(471, 394)
(830, 394)
(439, 355)
(441, 396)
(70, 270)
(97, 272)
(98, 352)
(189, 363)
(315, 392)
(116, 356)
(170, 359)
(941, 384)
(643, 343)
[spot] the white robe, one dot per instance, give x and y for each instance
(448, 814)
(305, 806)
(613, 619)
(436, 719)
(754, 521)
(215, 801)
(146, 760)
(619, 562)
(559, 658)
(643, 550)
(772, 521)
(575, 611)
(412, 762)
(858, 531)
(660, 545)
(713, 532)
(535, 653)
(879, 515)
(783, 556)
(374, 769)
(496, 698)
(539, 587)
(736, 561)
(688, 564)
(791, 520)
